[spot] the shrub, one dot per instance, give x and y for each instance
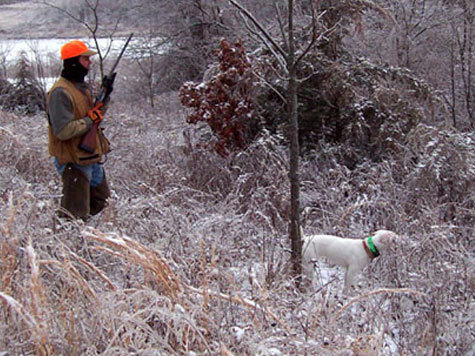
(225, 101)
(25, 95)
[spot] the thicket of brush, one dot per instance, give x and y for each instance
(25, 94)
(191, 257)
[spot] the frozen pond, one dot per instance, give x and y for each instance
(46, 49)
(46, 52)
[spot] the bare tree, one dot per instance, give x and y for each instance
(465, 38)
(435, 40)
(88, 15)
(289, 60)
(292, 99)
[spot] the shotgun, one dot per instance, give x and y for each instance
(89, 142)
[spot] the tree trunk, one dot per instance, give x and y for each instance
(292, 106)
(294, 224)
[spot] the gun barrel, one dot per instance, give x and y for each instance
(121, 53)
(88, 141)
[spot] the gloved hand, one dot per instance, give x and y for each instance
(95, 114)
(105, 106)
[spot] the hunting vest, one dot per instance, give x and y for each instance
(68, 150)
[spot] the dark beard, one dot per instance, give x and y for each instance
(73, 70)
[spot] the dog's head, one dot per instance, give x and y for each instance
(383, 239)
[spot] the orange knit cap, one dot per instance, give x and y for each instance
(75, 48)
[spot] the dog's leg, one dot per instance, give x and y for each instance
(308, 265)
(350, 275)
(308, 271)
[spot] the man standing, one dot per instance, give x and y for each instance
(71, 115)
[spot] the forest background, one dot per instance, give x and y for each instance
(193, 255)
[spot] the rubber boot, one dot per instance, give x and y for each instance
(99, 197)
(75, 201)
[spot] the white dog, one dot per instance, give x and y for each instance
(352, 254)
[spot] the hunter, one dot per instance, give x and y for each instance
(70, 116)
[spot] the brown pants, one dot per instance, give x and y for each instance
(80, 199)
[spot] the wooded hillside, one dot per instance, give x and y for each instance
(193, 256)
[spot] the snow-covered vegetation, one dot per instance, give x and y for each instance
(192, 255)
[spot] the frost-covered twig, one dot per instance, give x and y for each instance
(376, 292)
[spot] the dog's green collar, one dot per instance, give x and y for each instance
(372, 247)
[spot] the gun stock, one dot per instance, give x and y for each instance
(89, 141)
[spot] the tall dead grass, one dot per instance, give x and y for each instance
(191, 256)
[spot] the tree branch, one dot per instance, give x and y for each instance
(265, 42)
(281, 25)
(260, 27)
(316, 39)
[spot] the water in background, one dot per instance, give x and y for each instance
(45, 52)
(45, 49)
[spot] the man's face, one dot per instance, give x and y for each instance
(85, 61)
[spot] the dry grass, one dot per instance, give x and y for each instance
(191, 256)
